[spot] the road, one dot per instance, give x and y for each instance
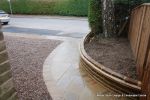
(46, 25)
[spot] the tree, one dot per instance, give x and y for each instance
(99, 13)
(108, 18)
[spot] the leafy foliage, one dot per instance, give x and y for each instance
(71, 7)
(95, 16)
(47, 7)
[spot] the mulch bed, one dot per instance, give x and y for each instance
(115, 54)
(26, 58)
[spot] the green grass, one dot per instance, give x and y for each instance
(47, 7)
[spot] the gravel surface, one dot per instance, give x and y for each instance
(115, 54)
(26, 58)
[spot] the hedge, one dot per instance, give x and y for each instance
(47, 7)
(95, 16)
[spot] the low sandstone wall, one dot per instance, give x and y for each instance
(7, 90)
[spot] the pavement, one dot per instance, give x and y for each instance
(66, 80)
(48, 25)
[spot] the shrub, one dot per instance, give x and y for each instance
(71, 7)
(47, 7)
(95, 16)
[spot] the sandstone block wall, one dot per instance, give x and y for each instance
(7, 90)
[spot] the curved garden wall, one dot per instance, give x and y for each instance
(106, 76)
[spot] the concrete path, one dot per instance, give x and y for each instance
(65, 80)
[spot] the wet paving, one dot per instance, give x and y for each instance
(31, 31)
(66, 80)
(42, 32)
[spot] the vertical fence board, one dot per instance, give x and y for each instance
(142, 10)
(139, 35)
(135, 28)
(143, 43)
(146, 81)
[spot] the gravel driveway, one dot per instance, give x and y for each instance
(26, 58)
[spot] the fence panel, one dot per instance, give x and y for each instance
(135, 28)
(146, 81)
(142, 53)
(139, 34)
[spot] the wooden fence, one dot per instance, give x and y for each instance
(139, 36)
(146, 80)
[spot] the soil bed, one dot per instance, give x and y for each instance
(26, 58)
(115, 54)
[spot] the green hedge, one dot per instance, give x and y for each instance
(95, 16)
(47, 7)
(72, 7)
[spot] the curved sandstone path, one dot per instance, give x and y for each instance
(65, 80)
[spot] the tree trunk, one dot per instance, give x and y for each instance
(108, 18)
